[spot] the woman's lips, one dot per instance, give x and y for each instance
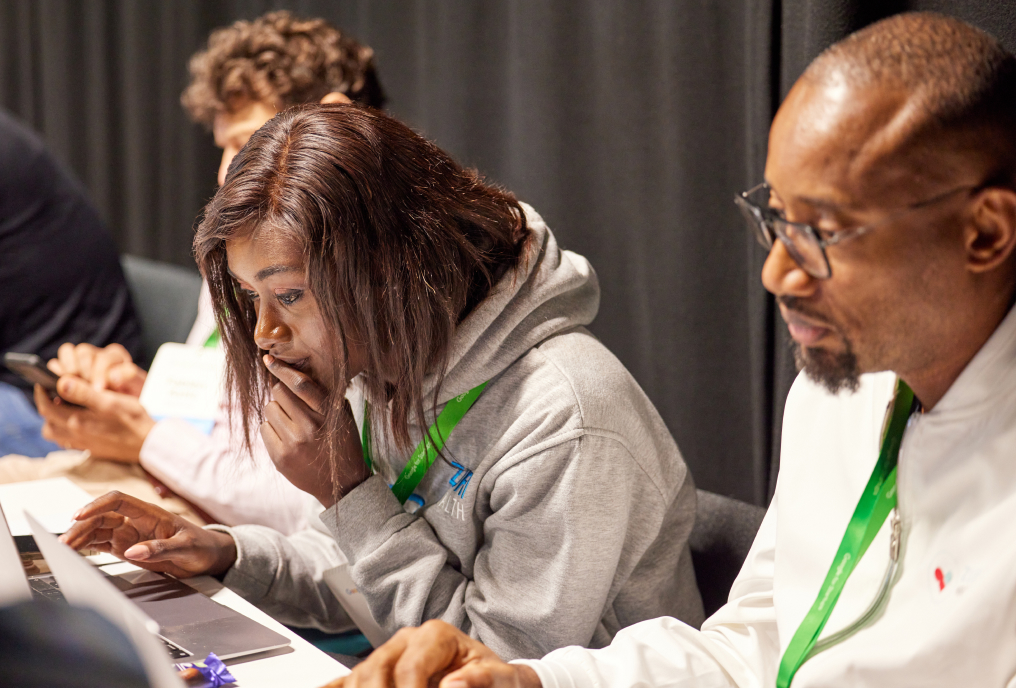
(296, 364)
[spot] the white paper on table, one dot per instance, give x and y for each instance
(185, 382)
(355, 604)
(52, 501)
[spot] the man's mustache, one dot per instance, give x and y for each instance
(797, 305)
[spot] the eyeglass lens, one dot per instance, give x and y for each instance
(802, 245)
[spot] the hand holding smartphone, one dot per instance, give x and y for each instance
(34, 370)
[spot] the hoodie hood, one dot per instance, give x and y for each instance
(551, 291)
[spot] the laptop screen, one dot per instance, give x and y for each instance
(13, 582)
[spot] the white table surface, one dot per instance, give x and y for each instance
(300, 666)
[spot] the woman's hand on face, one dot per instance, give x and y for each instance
(150, 537)
(436, 652)
(292, 435)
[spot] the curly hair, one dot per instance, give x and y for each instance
(280, 59)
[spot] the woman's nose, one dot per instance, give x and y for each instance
(269, 330)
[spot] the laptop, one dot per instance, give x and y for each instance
(103, 598)
(189, 624)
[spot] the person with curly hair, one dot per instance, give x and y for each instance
(250, 71)
(253, 70)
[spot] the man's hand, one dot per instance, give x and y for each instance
(107, 368)
(150, 537)
(436, 652)
(292, 435)
(111, 425)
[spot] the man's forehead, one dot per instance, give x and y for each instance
(241, 120)
(846, 143)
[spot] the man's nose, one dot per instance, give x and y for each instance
(269, 330)
(782, 276)
(228, 153)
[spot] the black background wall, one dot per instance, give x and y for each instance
(628, 125)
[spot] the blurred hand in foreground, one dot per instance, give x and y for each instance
(110, 367)
(109, 424)
(436, 654)
(150, 537)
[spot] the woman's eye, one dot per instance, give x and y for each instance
(252, 295)
(288, 298)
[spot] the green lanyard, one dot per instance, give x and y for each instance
(213, 339)
(433, 442)
(877, 501)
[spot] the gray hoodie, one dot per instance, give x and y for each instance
(559, 514)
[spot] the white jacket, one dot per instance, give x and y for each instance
(949, 618)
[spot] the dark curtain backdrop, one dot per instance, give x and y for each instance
(628, 125)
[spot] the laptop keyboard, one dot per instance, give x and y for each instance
(175, 651)
(46, 588)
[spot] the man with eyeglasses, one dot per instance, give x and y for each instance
(888, 556)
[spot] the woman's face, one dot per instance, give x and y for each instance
(272, 273)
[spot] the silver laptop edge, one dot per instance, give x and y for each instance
(84, 586)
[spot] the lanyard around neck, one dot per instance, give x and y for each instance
(433, 442)
(877, 501)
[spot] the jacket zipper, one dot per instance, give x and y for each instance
(880, 597)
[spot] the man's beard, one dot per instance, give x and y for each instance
(835, 372)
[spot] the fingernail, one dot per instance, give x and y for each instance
(269, 359)
(137, 553)
(77, 514)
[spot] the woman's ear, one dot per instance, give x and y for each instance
(991, 236)
(336, 97)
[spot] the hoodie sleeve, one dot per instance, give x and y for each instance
(738, 647)
(559, 524)
(284, 576)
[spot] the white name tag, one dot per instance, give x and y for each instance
(185, 382)
(355, 604)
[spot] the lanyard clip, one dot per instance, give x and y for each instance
(894, 538)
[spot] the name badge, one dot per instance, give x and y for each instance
(185, 382)
(355, 604)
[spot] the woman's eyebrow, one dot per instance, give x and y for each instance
(265, 273)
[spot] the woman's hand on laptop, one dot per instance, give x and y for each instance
(150, 537)
(436, 654)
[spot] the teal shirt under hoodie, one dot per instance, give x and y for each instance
(559, 514)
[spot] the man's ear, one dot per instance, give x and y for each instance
(336, 97)
(991, 235)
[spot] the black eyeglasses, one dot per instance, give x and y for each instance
(805, 243)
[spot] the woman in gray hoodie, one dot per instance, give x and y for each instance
(391, 293)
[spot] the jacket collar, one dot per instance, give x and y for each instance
(991, 372)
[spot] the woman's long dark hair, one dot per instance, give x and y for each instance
(400, 244)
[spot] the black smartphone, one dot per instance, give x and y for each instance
(33, 369)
